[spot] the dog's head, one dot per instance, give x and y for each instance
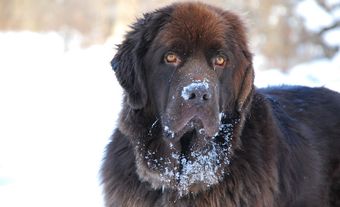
(188, 80)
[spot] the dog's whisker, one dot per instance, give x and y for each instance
(153, 126)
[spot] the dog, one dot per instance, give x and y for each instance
(195, 132)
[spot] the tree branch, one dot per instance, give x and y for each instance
(333, 26)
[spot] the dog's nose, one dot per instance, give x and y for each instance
(197, 93)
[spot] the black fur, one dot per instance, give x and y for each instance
(276, 147)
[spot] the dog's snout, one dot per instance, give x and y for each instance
(197, 93)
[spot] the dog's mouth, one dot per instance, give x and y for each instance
(193, 137)
(178, 130)
(201, 159)
(190, 163)
(186, 142)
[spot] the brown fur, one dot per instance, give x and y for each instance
(275, 147)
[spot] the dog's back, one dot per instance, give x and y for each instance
(314, 114)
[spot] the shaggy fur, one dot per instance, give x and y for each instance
(195, 133)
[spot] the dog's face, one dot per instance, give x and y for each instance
(187, 72)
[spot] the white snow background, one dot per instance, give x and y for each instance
(58, 110)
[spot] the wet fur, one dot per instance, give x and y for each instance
(285, 145)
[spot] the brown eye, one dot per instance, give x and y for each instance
(171, 58)
(219, 61)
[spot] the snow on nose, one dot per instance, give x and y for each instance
(197, 91)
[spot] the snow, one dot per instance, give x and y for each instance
(321, 72)
(205, 166)
(314, 16)
(317, 73)
(196, 84)
(169, 132)
(201, 131)
(332, 37)
(202, 170)
(58, 110)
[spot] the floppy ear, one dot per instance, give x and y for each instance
(247, 86)
(244, 74)
(128, 61)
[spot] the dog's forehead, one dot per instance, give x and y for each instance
(195, 24)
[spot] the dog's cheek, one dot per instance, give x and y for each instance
(227, 92)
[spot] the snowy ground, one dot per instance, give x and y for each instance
(322, 72)
(58, 109)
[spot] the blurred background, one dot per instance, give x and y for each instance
(59, 99)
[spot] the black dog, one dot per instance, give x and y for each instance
(194, 131)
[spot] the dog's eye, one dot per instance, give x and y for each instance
(171, 58)
(219, 61)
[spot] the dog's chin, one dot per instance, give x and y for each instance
(190, 165)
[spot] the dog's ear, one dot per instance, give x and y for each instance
(128, 61)
(247, 83)
(243, 76)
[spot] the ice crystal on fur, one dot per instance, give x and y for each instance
(180, 171)
(169, 132)
(205, 166)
